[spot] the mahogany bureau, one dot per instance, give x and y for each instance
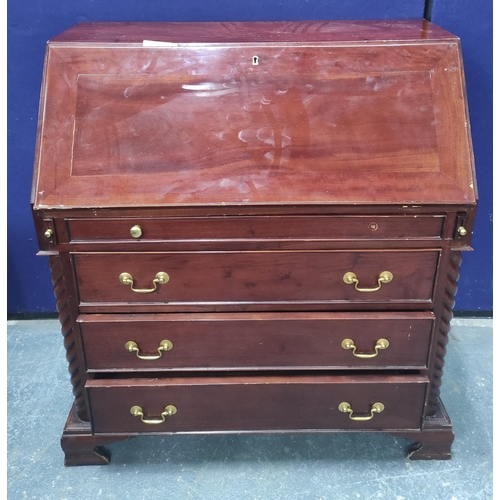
(254, 227)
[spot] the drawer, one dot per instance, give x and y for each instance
(250, 403)
(338, 227)
(268, 341)
(236, 279)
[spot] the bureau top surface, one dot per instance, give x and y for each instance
(265, 113)
(254, 32)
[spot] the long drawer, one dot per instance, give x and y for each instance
(248, 403)
(317, 227)
(279, 278)
(269, 341)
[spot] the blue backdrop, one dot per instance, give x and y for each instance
(472, 21)
(31, 24)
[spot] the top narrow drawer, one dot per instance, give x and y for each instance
(339, 227)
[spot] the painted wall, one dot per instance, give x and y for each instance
(472, 21)
(31, 23)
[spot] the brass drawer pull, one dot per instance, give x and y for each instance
(376, 408)
(136, 231)
(383, 277)
(160, 278)
(380, 345)
(165, 345)
(167, 412)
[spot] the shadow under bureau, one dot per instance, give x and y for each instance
(254, 227)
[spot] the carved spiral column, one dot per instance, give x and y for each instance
(63, 308)
(450, 290)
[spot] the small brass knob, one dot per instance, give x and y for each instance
(48, 233)
(462, 231)
(170, 410)
(136, 231)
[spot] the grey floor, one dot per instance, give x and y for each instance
(310, 466)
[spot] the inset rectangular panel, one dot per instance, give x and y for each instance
(152, 124)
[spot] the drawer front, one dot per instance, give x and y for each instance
(255, 228)
(256, 403)
(218, 278)
(255, 341)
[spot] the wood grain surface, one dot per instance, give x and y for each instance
(256, 403)
(360, 31)
(231, 277)
(340, 227)
(191, 124)
(262, 161)
(271, 341)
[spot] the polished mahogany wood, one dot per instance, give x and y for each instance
(270, 341)
(299, 228)
(361, 31)
(81, 446)
(434, 439)
(256, 403)
(198, 125)
(67, 308)
(262, 161)
(61, 219)
(206, 277)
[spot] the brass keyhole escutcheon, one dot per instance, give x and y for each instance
(255, 60)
